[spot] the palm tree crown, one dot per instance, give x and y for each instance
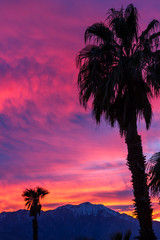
(119, 69)
(32, 198)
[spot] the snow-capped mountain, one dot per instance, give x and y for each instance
(69, 222)
(88, 209)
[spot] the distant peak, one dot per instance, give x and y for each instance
(88, 208)
(85, 203)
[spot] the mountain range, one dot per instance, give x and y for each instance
(70, 222)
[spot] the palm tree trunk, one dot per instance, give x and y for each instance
(35, 228)
(136, 163)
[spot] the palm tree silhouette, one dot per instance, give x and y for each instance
(32, 198)
(119, 70)
(119, 236)
(154, 174)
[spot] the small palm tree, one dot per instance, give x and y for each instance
(154, 174)
(119, 236)
(32, 198)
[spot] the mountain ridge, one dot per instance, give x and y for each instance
(69, 222)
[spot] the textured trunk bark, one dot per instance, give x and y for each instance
(35, 228)
(136, 164)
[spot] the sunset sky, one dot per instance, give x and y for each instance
(46, 137)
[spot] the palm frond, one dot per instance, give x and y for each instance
(147, 112)
(119, 27)
(124, 23)
(41, 192)
(131, 17)
(28, 192)
(153, 73)
(99, 33)
(93, 61)
(154, 40)
(154, 174)
(117, 22)
(154, 24)
(90, 51)
(28, 204)
(113, 14)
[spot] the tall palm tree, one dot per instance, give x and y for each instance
(119, 71)
(119, 236)
(32, 198)
(154, 174)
